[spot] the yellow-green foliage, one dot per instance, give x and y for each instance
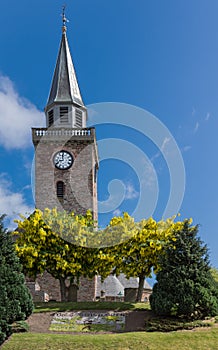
(68, 245)
(140, 253)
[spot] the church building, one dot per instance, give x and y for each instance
(66, 165)
(66, 158)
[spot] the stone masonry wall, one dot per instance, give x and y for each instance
(80, 186)
(51, 286)
(79, 196)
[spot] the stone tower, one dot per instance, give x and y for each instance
(66, 158)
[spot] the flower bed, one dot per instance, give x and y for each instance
(86, 321)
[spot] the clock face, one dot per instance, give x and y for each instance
(63, 160)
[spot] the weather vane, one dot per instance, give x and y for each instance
(64, 19)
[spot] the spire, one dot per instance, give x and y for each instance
(64, 88)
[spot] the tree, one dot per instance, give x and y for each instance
(57, 242)
(214, 273)
(69, 246)
(139, 254)
(15, 299)
(184, 285)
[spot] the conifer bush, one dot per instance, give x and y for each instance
(15, 299)
(185, 286)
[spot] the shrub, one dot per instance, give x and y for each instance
(184, 285)
(20, 326)
(172, 324)
(15, 299)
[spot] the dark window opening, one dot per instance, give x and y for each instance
(64, 114)
(95, 173)
(60, 189)
(50, 118)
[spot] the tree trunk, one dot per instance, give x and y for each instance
(140, 288)
(68, 289)
(63, 289)
(72, 292)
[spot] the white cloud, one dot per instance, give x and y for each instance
(186, 148)
(117, 212)
(163, 148)
(207, 116)
(149, 177)
(12, 203)
(118, 192)
(196, 127)
(165, 143)
(130, 193)
(193, 111)
(17, 116)
(155, 156)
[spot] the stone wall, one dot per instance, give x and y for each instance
(87, 289)
(131, 293)
(80, 180)
(80, 188)
(51, 286)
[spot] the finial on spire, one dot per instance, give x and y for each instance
(64, 19)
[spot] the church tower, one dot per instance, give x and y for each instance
(66, 158)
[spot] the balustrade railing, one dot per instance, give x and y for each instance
(50, 133)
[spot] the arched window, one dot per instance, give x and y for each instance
(60, 189)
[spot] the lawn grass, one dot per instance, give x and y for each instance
(206, 339)
(70, 306)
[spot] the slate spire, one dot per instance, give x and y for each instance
(64, 87)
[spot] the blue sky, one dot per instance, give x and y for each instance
(160, 56)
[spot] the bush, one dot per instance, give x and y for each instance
(5, 330)
(184, 285)
(15, 299)
(172, 324)
(20, 327)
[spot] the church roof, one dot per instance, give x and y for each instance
(114, 286)
(64, 88)
(111, 286)
(132, 282)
